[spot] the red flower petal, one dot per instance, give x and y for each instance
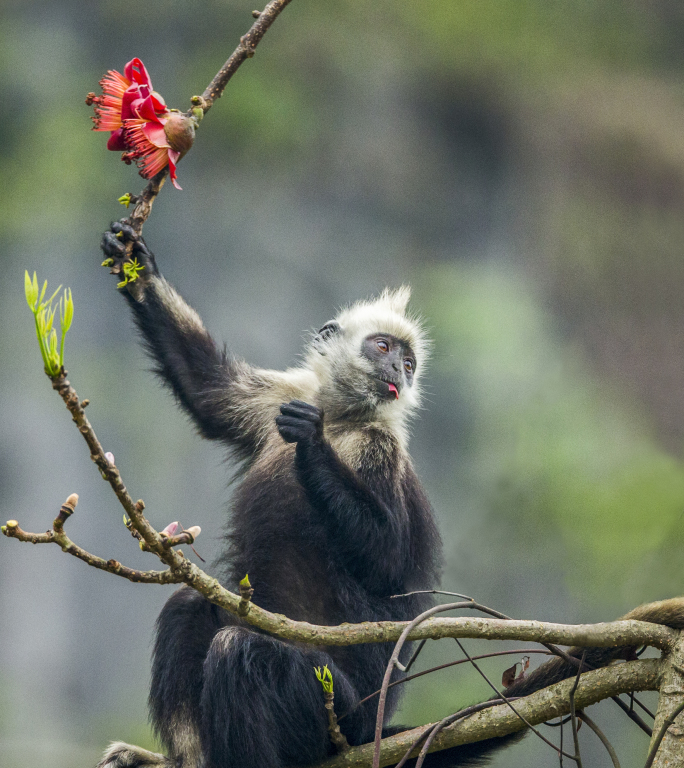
(116, 141)
(173, 159)
(145, 110)
(155, 134)
(136, 72)
(158, 101)
(129, 103)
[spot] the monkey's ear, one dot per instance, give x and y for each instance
(327, 332)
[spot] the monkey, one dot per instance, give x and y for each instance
(329, 520)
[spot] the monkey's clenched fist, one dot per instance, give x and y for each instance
(300, 421)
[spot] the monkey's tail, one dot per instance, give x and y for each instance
(669, 612)
(121, 755)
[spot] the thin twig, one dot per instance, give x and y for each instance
(408, 678)
(109, 471)
(498, 720)
(508, 701)
(632, 715)
(602, 736)
(432, 592)
(653, 751)
(394, 662)
(449, 720)
(633, 700)
(245, 50)
(336, 736)
(578, 757)
(13, 531)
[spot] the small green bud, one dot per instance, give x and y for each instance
(245, 582)
(325, 678)
(107, 263)
(68, 316)
(125, 199)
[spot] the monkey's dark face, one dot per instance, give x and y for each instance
(393, 363)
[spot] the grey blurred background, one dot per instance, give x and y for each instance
(519, 162)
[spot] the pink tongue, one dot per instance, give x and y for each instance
(392, 388)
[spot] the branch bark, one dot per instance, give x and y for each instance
(667, 745)
(498, 721)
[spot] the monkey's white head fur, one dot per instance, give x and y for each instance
(345, 375)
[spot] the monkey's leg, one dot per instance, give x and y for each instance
(262, 706)
(185, 629)
(120, 755)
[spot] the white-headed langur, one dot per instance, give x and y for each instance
(329, 520)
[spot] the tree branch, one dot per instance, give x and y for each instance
(667, 744)
(609, 634)
(500, 721)
(13, 531)
(245, 50)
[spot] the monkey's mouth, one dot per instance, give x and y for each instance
(387, 389)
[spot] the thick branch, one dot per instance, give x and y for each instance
(667, 744)
(496, 721)
(605, 635)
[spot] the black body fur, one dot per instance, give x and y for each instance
(329, 520)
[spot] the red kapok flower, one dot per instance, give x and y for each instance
(157, 140)
(141, 125)
(122, 96)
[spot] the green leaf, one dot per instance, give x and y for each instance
(31, 290)
(68, 317)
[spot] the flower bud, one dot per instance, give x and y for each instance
(170, 529)
(180, 131)
(194, 531)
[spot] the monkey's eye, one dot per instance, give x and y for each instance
(408, 365)
(383, 346)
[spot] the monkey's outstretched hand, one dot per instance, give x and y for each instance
(114, 246)
(300, 421)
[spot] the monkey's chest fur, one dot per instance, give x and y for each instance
(284, 544)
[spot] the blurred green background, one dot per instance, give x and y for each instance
(519, 162)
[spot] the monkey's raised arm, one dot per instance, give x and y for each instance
(227, 398)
